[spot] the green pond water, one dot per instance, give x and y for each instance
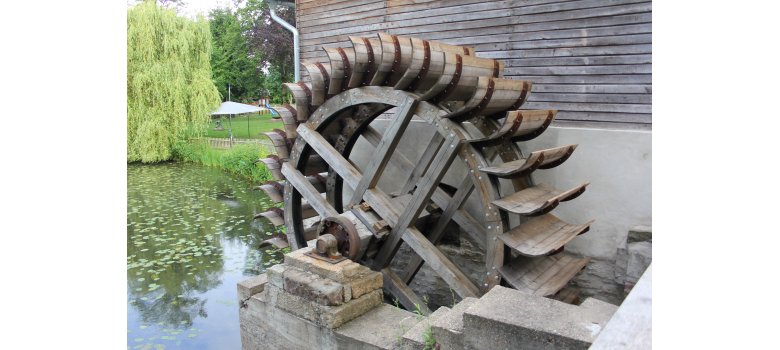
(190, 239)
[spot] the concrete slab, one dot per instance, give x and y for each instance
(508, 319)
(631, 326)
(414, 338)
(448, 329)
(380, 328)
(266, 327)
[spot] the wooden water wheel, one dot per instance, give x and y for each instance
(474, 116)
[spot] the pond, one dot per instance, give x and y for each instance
(190, 239)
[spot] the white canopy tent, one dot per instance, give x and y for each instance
(230, 108)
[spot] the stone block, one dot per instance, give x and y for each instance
(448, 329)
(363, 284)
(275, 275)
(251, 286)
(414, 338)
(380, 328)
(312, 287)
(340, 272)
(640, 255)
(327, 316)
(509, 319)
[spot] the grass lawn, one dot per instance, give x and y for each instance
(257, 125)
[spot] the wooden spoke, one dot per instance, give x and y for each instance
(331, 156)
(423, 163)
(384, 150)
(464, 190)
(307, 190)
(422, 194)
(446, 269)
(439, 262)
(406, 297)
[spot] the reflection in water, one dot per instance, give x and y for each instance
(190, 239)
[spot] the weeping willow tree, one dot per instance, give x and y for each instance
(169, 86)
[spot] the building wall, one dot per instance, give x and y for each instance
(589, 59)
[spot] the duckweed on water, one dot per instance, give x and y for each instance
(190, 239)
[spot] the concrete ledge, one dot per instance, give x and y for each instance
(632, 325)
(509, 319)
(414, 339)
(266, 327)
(380, 328)
(448, 329)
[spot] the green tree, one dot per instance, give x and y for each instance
(169, 87)
(231, 61)
(266, 39)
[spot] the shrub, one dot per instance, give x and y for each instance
(241, 160)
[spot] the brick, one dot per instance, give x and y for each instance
(312, 287)
(364, 284)
(327, 316)
(341, 272)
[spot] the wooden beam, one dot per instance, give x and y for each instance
(384, 150)
(461, 217)
(405, 295)
(331, 156)
(420, 198)
(380, 203)
(439, 262)
(422, 164)
(435, 235)
(307, 190)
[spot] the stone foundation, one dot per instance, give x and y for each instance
(307, 303)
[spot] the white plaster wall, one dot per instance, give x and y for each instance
(618, 165)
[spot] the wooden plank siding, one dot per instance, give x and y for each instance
(589, 59)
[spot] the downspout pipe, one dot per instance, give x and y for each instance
(296, 42)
